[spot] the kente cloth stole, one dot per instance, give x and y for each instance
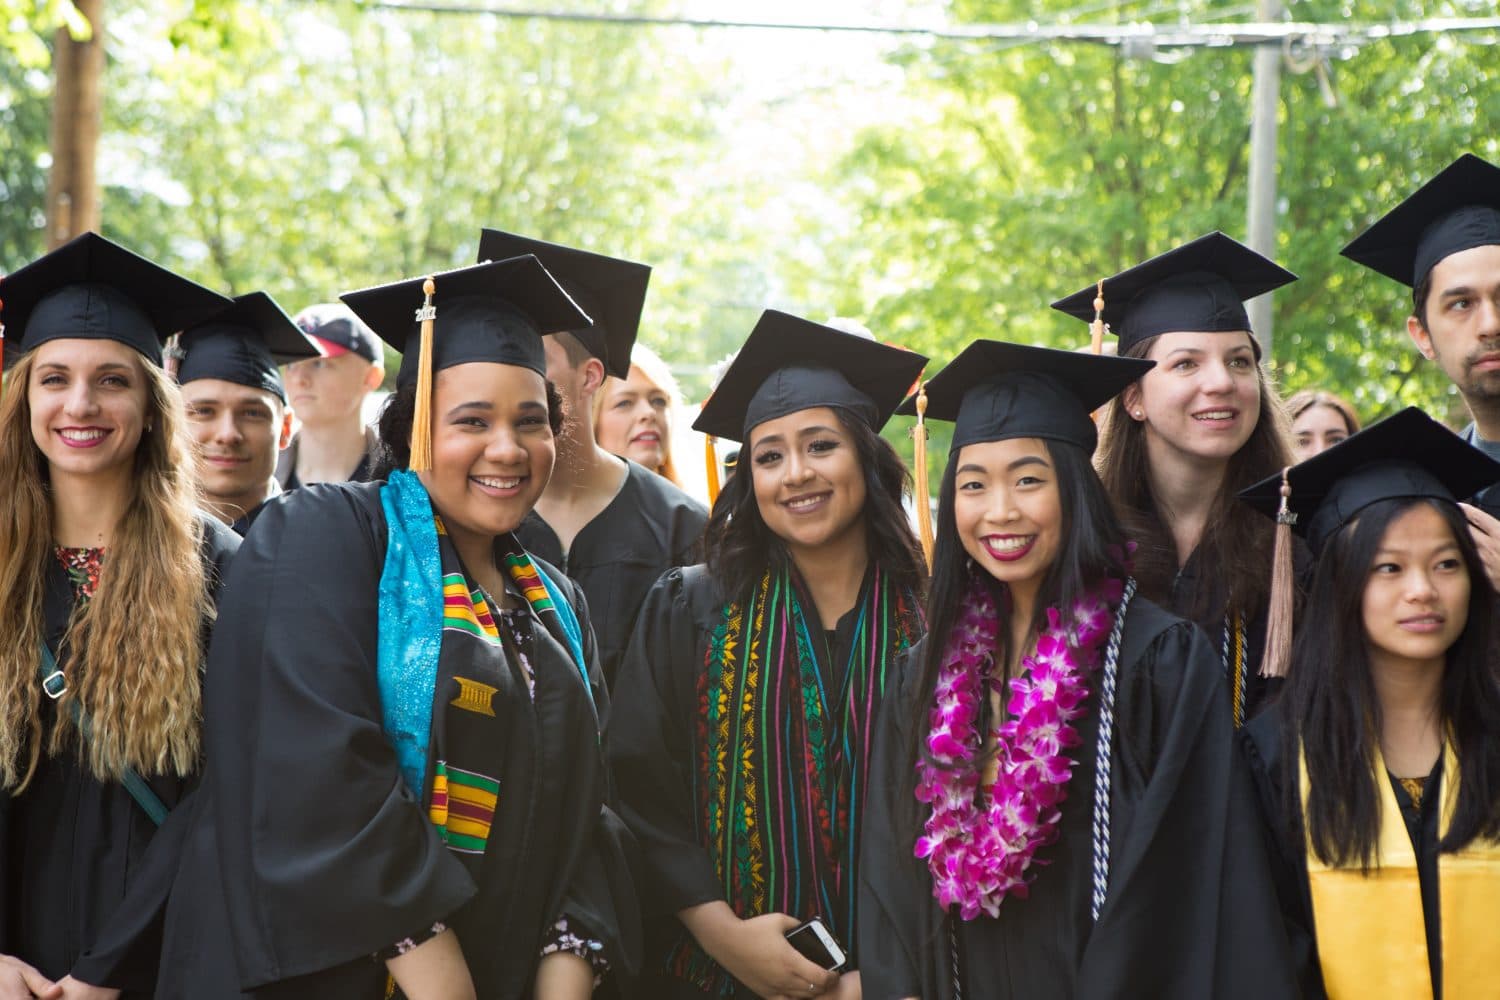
(414, 609)
(1371, 937)
(781, 760)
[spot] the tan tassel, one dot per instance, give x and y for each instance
(421, 422)
(1278, 652)
(711, 468)
(1096, 328)
(919, 459)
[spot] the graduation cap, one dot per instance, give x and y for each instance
(244, 345)
(994, 391)
(494, 312)
(95, 289)
(611, 290)
(1405, 455)
(1200, 286)
(1408, 455)
(1457, 210)
(789, 364)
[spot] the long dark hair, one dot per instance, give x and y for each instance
(739, 548)
(1092, 548)
(1333, 715)
(1235, 539)
(396, 420)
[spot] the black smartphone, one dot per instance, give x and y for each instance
(814, 943)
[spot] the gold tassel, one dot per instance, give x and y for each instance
(919, 459)
(1278, 652)
(421, 422)
(2, 353)
(711, 468)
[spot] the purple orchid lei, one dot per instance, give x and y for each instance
(979, 853)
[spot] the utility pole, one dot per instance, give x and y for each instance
(1264, 105)
(77, 117)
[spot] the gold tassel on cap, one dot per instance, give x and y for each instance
(711, 468)
(421, 422)
(1279, 618)
(919, 459)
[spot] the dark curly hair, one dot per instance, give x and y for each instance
(396, 420)
(739, 548)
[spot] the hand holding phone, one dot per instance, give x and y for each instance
(815, 943)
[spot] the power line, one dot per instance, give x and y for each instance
(1140, 35)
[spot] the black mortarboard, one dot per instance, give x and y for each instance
(994, 391)
(94, 289)
(1406, 455)
(789, 364)
(244, 345)
(1200, 287)
(497, 311)
(611, 290)
(1457, 210)
(339, 330)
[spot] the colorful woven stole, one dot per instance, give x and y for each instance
(412, 612)
(781, 760)
(1372, 941)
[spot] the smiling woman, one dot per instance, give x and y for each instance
(109, 577)
(810, 591)
(1200, 426)
(453, 688)
(1054, 801)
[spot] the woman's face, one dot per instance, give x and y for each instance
(1202, 399)
(635, 420)
(807, 478)
(492, 448)
(1008, 511)
(89, 402)
(1316, 429)
(1416, 600)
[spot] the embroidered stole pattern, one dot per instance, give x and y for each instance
(781, 759)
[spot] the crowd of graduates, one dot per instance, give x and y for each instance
(1188, 692)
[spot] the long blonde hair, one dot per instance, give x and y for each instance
(132, 652)
(650, 364)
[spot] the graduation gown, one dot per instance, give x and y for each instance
(1268, 766)
(1183, 594)
(652, 744)
(308, 852)
(1189, 914)
(648, 528)
(84, 871)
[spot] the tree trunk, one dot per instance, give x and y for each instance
(77, 114)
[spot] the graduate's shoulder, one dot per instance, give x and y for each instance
(687, 591)
(1171, 650)
(319, 517)
(218, 541)
(662, 496)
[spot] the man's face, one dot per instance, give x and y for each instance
(327, 390)
(1463, 321)
(238, 431)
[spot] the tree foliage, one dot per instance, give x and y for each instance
(1039, 169)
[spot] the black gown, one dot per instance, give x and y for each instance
(1183, 595)
(309, 854)
(1190, 912)
(651, 750)
(84, 871)
(1263, 751)
(649, 527)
